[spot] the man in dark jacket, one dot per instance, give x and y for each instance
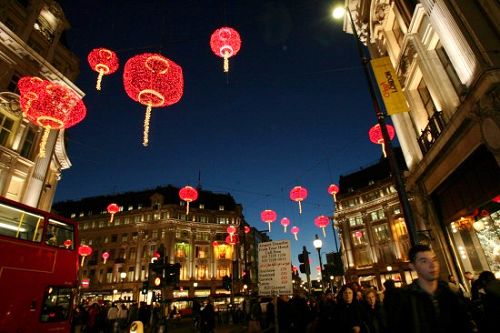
(428, 305)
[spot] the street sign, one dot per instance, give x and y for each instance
(275, 275)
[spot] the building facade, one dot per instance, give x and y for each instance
(150, 218)
(445, 53)
(31, 44)
(373, 232)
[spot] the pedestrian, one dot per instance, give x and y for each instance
(348, 316)
(456, 286)
(255, 317)
(207, 318)
(490, 298)
(111, 318)
(300, 314)
(123, 317)
(428, 305)
(92, 318)
(373, 313)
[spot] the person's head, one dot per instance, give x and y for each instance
(346, 294)
(424, 261)
(389, 284)
(469, 276)
(371, 297)
(485, 277)
(451, 278)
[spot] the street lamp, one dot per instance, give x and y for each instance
(338, 13)
(318, 244)
(123, 275)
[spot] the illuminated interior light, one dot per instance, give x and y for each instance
(11, 227)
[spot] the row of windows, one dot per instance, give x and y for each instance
(381, 233)
(147, 234)
(376, 215)
(369, 196)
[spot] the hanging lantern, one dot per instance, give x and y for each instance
(268, 216)
(358, 234)
(50, 106)
(496, 199)
(231, 230)
(375, 134)
(298, 194)
(285, 222)
(247, 229)
(225, 43)
(295, 230)
(113, 209)
(333, 190)
(232, 240)
(104, 62)
(154, 81)
(188, 194)
(67, 243)
(84, 251)
(105, 256)
(295, 269)
(322, 222)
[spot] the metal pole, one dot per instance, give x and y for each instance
(396, 173)
(321, 269)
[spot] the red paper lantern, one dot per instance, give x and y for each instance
(298, 194)
(231, 230)
(496, 199)
(113, 209)
(295, 268)
(295, 230)
(285, 222)
(225, 43)
(67, 243)
(322, 222)
(154, 81)
(247, 229)
(188, 194)
(104, 62)
(375, 134)
(84, 251)
(268, 216)
(358, 234)
(105, 256)
(333, 190)
(50, 106)
(232, 240)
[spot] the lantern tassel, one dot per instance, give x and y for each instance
(99, 79)
(300, 207)
(295, 235)
(226, 62)
(83, 259)
(105, 261)
(187, 208)
(285, 228)
(324, 232)
(146, 126)
(111, 219)
(334, 197)
(43, 141)
(269, 224)
(383, 150)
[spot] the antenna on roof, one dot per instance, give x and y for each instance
(199, 180)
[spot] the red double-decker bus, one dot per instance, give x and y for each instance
(38, 269)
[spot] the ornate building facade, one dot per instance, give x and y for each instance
(445, 53)
(31, 44)
(374, 237)
(150, 218)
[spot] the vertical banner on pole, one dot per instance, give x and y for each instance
(388, 84)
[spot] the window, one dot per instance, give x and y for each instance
(155, 234)
(124, 237)
(30, 228)
(56, 304)
(222, 270)
(134, 235)
(114, 238)
(130, 274)
(109, 275)
(359, 237)
(448, 67)
(202, 206)
(180, 250)
(131, 254)
(12, 87)
(201, 251)
(7, 128)
(58, 233)
(203, 219)
(371, 196)
(398, 34)
(29, 141)
(130, 207)
(381, 232)
(221, 207)
(377, 215)
(355, 221)
(425, 97)
(201, 272)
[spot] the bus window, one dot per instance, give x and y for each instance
(20, 224)
(60, 234)
(56, 304)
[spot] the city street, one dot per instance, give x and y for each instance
(185, 325)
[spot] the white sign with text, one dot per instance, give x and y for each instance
(275, 272)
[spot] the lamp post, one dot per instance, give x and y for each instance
(318, 244)
(337, 13)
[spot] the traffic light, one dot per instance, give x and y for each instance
(145, 286)
(226, 282)
(155, 274)
(245, 277)
(304, 262)
(173, 273)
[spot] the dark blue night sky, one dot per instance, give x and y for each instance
(294, 110)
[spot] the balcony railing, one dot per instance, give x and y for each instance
(431, 132)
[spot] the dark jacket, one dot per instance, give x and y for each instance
(374, 319)
(347, 316)
(420, 312)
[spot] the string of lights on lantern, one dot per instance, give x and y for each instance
(268, 216)
(225, 42)
(188, 194)
(298, 194)
(154, 81)
(375, 135)
(104, 62)
(84, 251)
(50, 106)
(322, 222)
(112, 209)
(285, 222)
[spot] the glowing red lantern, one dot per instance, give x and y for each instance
(232, 240)
(375, 134)
(154, 81)
(85, 283)
(322, 222)
(333, 190)
(113, 209)
(318, 268)
(231, 230)
(247, 229)
(358, 234)
(67, 243)
(84, 251)
(298, 194)
(104, 62)
(105, 256)
(188, 194)
(268, 216)
(50, 106)
(496, 199)
(225, 43)
(285, 222)
(295, 268)
(295, 230)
